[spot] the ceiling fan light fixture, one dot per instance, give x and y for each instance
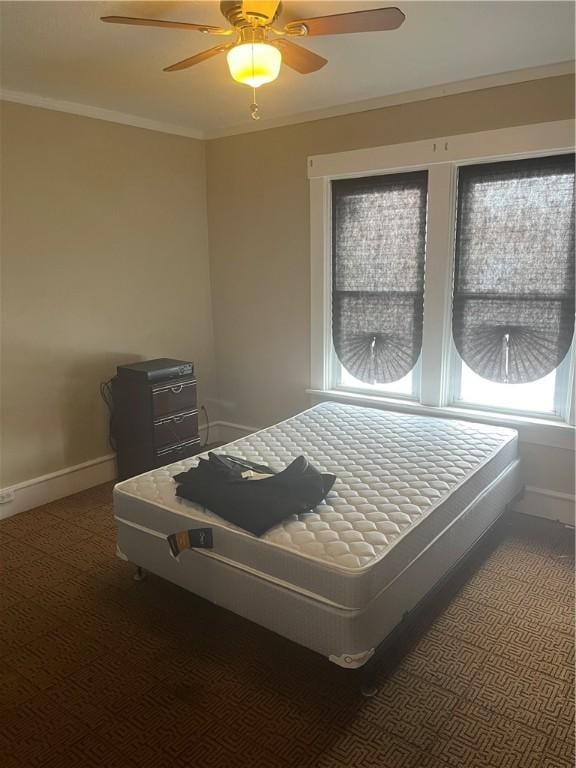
(254, 64)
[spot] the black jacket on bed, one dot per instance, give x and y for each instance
(217, 483)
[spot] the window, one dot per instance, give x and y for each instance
(491, 326)
(513, 303)
(535, 396)
(407, 386)
(378, 246)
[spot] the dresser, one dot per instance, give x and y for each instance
(155, 419)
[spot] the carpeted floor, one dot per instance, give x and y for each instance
(99, 670)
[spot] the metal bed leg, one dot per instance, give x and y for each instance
(368, 680)
(140, 574)
(368, 690)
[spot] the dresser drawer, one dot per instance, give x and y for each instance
(180, 428)
(171, 398)
(173, 453)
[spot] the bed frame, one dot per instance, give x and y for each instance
(415, 621)
(390, 652)
(363, 630)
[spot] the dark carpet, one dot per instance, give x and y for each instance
(99, 670)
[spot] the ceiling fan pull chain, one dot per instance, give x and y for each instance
(252, 50)
(254, 108)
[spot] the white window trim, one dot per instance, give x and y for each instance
(440, 157)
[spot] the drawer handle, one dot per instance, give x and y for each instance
(177, 389)
(178, 419)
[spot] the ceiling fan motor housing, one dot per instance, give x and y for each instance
(232, 10)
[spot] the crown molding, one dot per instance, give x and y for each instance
(98, 113)
(404, 97)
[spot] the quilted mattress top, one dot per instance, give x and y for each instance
(392, 470)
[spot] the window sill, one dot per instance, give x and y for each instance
(538, 431)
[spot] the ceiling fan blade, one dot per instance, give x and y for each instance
(377, 20)
(298, 58)
(264, 10)
(206, 28)
(199, 57)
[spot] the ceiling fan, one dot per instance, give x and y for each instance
(259, 48)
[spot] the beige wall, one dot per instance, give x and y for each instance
(259, 234)
(104, 260)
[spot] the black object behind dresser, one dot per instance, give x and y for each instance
(155, 415)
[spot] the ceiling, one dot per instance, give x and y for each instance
(61, 51)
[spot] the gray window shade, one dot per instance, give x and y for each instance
(378, 246)
(513, 309)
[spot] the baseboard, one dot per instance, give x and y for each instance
(57, 485)
(228, 431)
(551, 505)
(224, 432)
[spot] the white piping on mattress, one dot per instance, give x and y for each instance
(242, 567)
(142, 528)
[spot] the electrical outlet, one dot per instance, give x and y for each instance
(6, 497)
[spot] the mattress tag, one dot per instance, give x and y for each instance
(195, 538)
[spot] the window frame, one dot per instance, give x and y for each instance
(441, 157)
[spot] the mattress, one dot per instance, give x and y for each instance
(401, 481)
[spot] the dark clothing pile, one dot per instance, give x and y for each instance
(253, 496)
